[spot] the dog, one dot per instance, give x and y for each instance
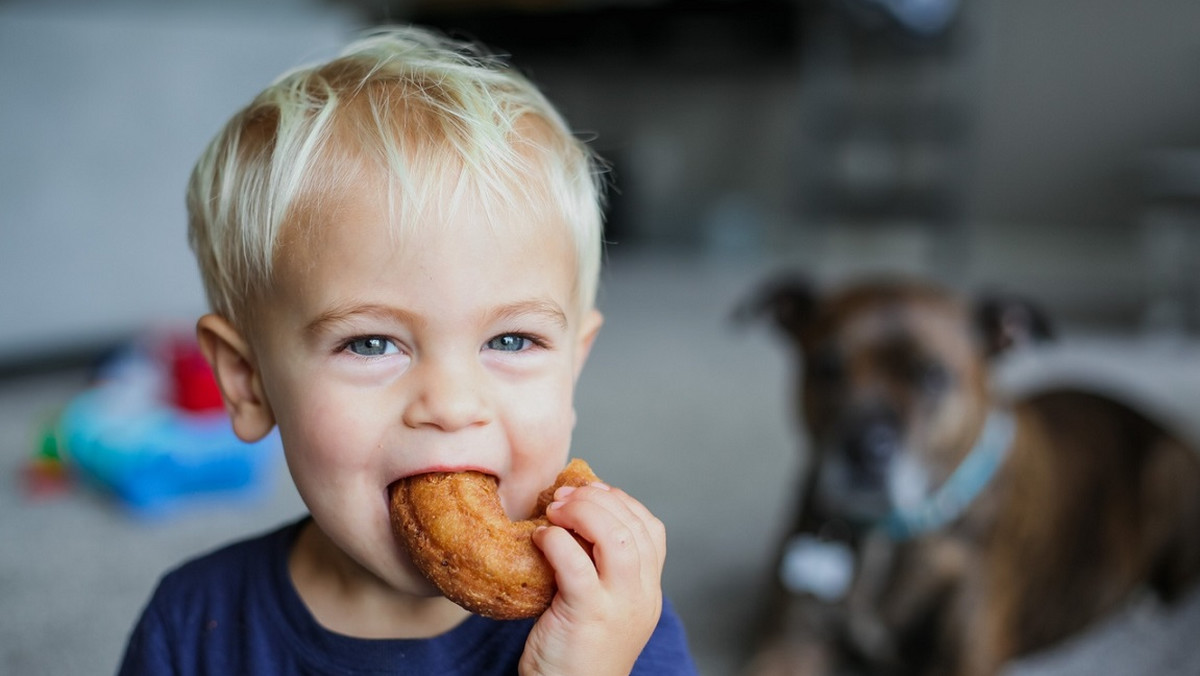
(941, 530)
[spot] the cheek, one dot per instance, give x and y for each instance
(324, 433)
(539, 435)
(333, 464)
(546, 405)
(541, 441)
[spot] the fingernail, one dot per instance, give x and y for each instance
(554, 505)
(563, 491)
(601, 485)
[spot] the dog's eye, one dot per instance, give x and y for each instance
(824, 367)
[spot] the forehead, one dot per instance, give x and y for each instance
(928, 324)
(412, 196)
(360, 238)
(447, 207)
(415, 186)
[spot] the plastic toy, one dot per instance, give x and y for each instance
(152, 431)
(47, 473)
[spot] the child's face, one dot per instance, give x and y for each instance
(455, 347)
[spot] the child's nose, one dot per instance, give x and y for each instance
(449, 396)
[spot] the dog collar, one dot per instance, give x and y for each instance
(964, 485)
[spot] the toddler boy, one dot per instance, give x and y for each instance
(401, 249)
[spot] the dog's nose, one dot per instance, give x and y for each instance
(871, 447)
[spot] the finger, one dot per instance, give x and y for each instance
(622, 544)
(574, 571)
(630, 511)
(653, 525)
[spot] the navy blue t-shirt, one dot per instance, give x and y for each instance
(235, 611)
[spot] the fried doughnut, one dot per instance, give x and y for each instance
(457, 533)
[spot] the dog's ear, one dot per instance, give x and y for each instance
(789, 301)
(1006, 322)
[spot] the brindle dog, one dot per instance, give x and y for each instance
(940, 531)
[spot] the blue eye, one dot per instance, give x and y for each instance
(371, 346)
(509, 342)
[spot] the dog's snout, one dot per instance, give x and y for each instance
(871, 447)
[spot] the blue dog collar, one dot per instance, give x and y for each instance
(964, 485)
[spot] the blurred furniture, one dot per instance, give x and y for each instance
(886, 136)
(1170, 230)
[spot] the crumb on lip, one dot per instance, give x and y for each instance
(443, 470)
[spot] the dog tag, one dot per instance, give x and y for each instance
(818, 567)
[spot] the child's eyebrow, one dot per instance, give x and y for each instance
(546, 309)
(345, 313)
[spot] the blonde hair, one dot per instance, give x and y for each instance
(421, 107)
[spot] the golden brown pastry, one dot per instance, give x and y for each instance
(458, 535)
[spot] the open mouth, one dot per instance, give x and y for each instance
(440, 469)
(443, 471)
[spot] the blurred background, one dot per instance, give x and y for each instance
(1046, 148)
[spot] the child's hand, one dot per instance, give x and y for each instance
(606, 610)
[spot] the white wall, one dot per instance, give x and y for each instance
(103, 110)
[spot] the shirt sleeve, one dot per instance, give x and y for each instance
(667, 652)
(147, 651)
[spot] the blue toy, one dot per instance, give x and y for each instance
(129, 435)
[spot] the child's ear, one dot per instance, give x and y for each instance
(237, 375)
(588, 329)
